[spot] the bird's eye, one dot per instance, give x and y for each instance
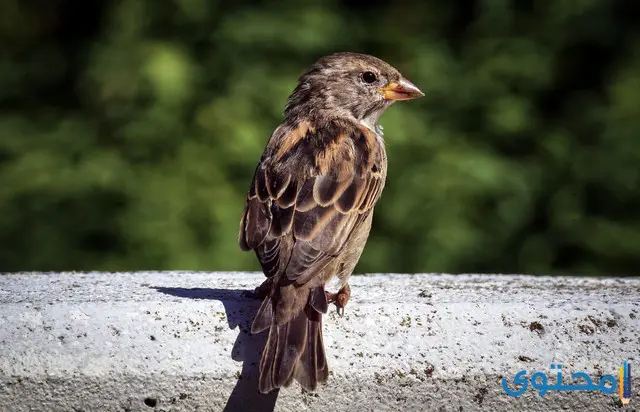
(369, 77)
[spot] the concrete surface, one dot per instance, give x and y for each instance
(178, 341)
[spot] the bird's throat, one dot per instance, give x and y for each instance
(371, 123)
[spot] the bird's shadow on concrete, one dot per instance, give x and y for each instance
(240, 307)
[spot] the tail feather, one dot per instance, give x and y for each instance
(263, 318)
(311, 368)
(266, 383)
(291, 341)
(294, 350)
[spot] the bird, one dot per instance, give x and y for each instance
(309, 207)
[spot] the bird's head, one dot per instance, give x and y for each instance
(349, 85)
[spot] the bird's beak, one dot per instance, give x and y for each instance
(401, 90)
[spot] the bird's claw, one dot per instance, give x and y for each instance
(251, 294)
(340, 299)
(260, 292)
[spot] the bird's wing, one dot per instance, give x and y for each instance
(311, 190)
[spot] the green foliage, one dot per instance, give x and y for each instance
(129, 130)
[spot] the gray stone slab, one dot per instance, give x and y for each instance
(179, 341)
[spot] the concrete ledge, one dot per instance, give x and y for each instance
(178, 341)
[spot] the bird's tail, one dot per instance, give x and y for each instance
(294, 349)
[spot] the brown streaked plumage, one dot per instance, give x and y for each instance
(309, 208)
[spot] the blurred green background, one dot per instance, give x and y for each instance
(129, 130)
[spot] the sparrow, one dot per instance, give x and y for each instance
(309, 208)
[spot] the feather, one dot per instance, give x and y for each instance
(264, 317)
(303, 209)
(294, 349)
(282, 220)
(257, 223)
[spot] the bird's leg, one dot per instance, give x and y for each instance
(340, 299)
(261, 291)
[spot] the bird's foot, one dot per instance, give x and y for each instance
(340, 299)
(261, 291)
